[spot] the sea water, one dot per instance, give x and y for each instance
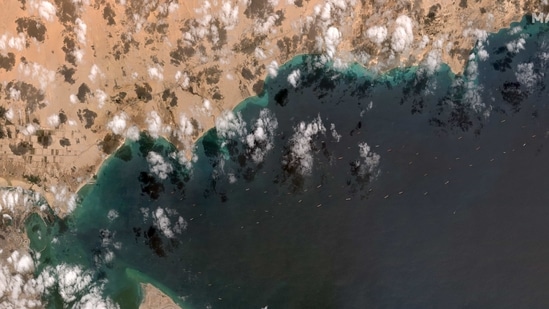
(402, 190)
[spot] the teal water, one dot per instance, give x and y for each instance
(453, 215)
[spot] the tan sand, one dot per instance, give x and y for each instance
(155, 299)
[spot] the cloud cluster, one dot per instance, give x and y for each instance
(54, 121)
(76, 286)
(132, 133)
(18, 201)
(94, 72)
(154, 124)
(205, 25)
(29, 129)
(118, 124)
(335, 135)
(162, 221)
(156, 72)
(80, 30)
(266, 26)
(369, 161)
(37, 72)
(294, 77)
(272, 69)
(527, 76)
(159, 166)
(301, 149)
(377, 34)
(332, 39)
(260, 140)
(228, 15)
(45, 9)
(516, 45)
(101, 97)
(64, 198)
(183, 78)
(230, 125)
(17, 287)
(431, 62)
(18, 42)
(185, 128)
(20, 289)
(403, 35)
(473, 90)
(184, 159)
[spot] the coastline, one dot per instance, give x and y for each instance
(98, 158)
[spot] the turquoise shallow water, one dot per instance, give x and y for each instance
(454, 214)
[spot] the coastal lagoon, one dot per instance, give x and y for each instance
(411, 189)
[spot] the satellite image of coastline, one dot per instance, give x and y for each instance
(274, 154)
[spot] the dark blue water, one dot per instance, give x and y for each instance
(449, 209)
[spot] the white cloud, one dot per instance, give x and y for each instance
(301, 149)
(331, 40)
(481, 37)
(154, 124)
(230, 125)
(18, 42)
(158, 165)
(260, 141)
(370, 160)
(23, 264)
(94, 72)
(516, 45)
(53, 120)
(156, 73)
(71, 280)
(29, 129)
(515, 30)
(9, 114)
(482, 54)
(424, 41)
(15, 94)
(473, 90)
(403, 35)
(184, 160)
(78, 54)
(64, 198)
(101, 97)
(294, 77)
(526, 75)
(132, 133)
(272, 68)
(335, 135)
(118, 124)
(94, 300)
(112, 215)
(80, 29)
(18, 287)
(259, 53)
(266, 26)
(73, 99)
(229, 15)
(185, 128)
(207, 105)
(37, 72)
(431, 62)
(45, 9)
(377, 34)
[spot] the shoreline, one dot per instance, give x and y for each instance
(98, 158)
